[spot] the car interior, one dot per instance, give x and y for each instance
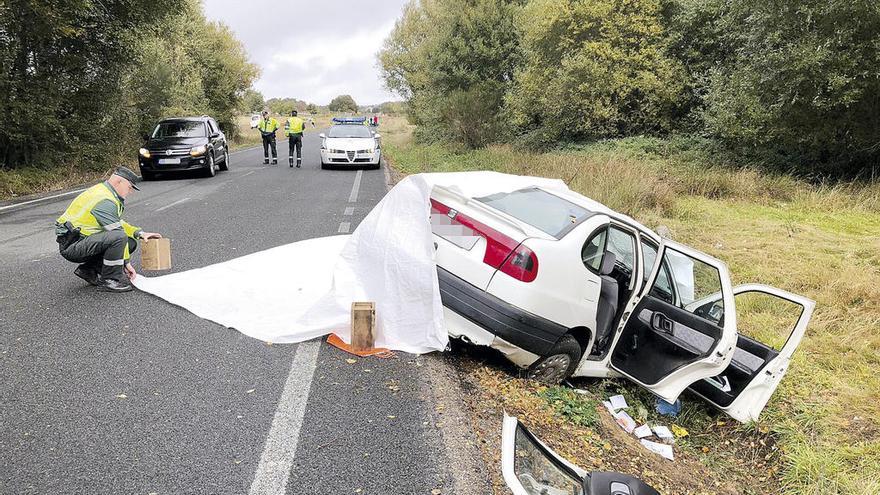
(613, 251)
(749, 358)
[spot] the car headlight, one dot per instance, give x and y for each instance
(198, 150)
(144, 152)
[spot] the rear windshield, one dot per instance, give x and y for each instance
(179, 129)
(349, 131)
(540, 209)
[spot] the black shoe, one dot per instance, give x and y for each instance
(110, 285)
(274, 162)
(298, 163)
(87, 274)
(266, 161)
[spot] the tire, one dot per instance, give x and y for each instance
(558, 364)
(325, 166)
(210, 170)
(225, 165)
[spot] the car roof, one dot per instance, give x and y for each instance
(186, 119)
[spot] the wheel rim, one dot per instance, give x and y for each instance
(552, 369)
(211, 169)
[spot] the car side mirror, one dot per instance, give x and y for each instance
(377, 136)
(145, 137)
(322, 136)
(215, 135)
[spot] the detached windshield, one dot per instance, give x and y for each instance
(540, 209)
(349, 131)
(179, 129)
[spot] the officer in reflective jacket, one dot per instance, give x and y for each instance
(268, 126)
(294, 128)
(92, 232)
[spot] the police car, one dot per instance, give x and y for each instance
(350, 143)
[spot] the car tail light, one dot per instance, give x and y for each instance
(502, 252)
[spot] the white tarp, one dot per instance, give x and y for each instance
(305, 289)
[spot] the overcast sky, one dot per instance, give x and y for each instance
(313, 50)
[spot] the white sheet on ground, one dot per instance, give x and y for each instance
(303, 290)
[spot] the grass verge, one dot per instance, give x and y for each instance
(820, 433)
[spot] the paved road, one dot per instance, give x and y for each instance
(125, 393)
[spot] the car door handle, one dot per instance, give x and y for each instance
(661, 323)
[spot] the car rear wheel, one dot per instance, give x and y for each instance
(211, 170)
(558, 364)
(225, 165)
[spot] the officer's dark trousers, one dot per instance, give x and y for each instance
(102, 253)
(295, 143)
(269, 141)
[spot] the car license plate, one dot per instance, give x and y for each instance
(169, 161)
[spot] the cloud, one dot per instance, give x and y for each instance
(313, 50)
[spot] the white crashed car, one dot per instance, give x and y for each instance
(350, 145)
(563, 285)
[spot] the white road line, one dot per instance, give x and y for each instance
(356, 187)
(349, 211)
(344, 227)
(173, 204)
(47, 198)
(280, 449)
(249, 173)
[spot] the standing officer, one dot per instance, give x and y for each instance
(92, 232)
(267, 128)
(294, 129)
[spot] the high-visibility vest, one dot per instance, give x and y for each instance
(294, 125)
(79, 213)
(270, 125)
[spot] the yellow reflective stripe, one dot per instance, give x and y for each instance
(113, 226)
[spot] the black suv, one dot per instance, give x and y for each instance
(184, 143)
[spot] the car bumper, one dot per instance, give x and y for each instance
(351, 158)
(186, 162)
(515, 326)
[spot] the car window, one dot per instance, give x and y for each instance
(349, 131)
(547, 212)
(691, 280)
(594, 249)
(179, 129)
(649, 254)
(537, 473)
(622, 244)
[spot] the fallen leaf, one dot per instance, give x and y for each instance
(436, 491)
(351, 361)
(250, 391)
(121, 396)
(679, 431)
(391, 417)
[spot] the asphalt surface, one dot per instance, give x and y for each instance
(125, 393)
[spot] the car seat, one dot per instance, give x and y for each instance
(608, 301)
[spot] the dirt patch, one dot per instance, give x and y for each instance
(718, 458)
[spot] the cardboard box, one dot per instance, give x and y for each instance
(156, 254)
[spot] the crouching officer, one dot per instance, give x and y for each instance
(267, 126)
(294, 129)
(92, 232)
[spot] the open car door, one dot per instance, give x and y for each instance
(744, 387)
(530, 468)
(663, 345)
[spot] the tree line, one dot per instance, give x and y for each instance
(794, 85)
(82, 80)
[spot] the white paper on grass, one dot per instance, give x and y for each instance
(618, 402)
(625, 421)
(642, 431)
(304, 290)
(659, 448)
(663, 433)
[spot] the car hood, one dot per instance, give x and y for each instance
(350, 144)
(176, 142)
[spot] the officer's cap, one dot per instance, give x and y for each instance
(128, 175)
